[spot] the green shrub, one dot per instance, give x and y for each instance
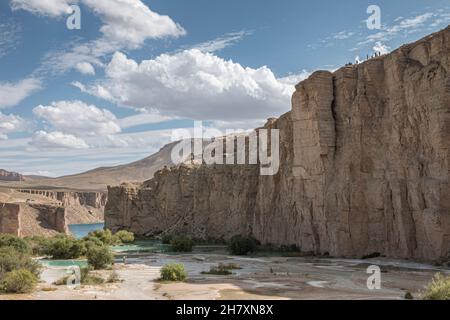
(64, 247)
(242, 246)
(125, 236)
(173, 272)
(90, 242)
(39, 245)
(100, 257)
(409, 296)
(11, 259)
(7, 240)
(181, 244)
(438, 289)
(221, 270)
(18, 281)
(166, 238)
(105, 236)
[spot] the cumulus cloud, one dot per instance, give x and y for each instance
(9, 124)
(86, 68)
(132, 22)
(78, 118)
(194, 85)
(127, 24)
(52, 8)
(295, 79)
(43, 140)
(12, 94)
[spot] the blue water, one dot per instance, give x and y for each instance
(81, 230)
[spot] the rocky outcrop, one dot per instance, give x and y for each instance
(9, 218)
(22, 219)
(364, 168)
(10, 176)
(68, 198)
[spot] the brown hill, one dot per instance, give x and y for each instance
(98, 179)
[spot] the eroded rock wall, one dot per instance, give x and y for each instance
(68, 198)
(364, 168)
(22, 219)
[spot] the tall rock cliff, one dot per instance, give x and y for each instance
(364, 168)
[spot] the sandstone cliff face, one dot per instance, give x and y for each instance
(10, 176)
(24, 220)
(364, 168)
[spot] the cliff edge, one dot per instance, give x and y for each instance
(364, 168)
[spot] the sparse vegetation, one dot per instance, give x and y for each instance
(125, 236)
(18, 281)
(241, 246)
(20, 245)
(113, 277)
(173, 272)
(181, 244)
(105, 236)
(438, 289)
(39, 245)
(166, 238)
(100, 257)
(222, 269)
(11, 259)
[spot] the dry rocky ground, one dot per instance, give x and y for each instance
(260, 278)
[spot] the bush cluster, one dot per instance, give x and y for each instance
(66, 247)
(173, 272)
(125, 236)
(18, 271)
(105, 236)
(100, 257)
(241, 246)
(438, 289)
(181, 244)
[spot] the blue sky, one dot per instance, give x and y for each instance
(111, 92)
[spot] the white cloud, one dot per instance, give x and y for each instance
(9, 36)
(78, 118)
(221, 43)
(194, 85)
(127, 24)
(43, 140)
(381, 48)
(142, 118)
(402, 26)
(9, 124)
(86, 68)
(132, 22)
(12, 94)
(52, 8)
(295, 79)
(343, 35)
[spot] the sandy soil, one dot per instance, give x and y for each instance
(259, 278)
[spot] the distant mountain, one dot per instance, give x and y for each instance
(10, 176)
(98, 179)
